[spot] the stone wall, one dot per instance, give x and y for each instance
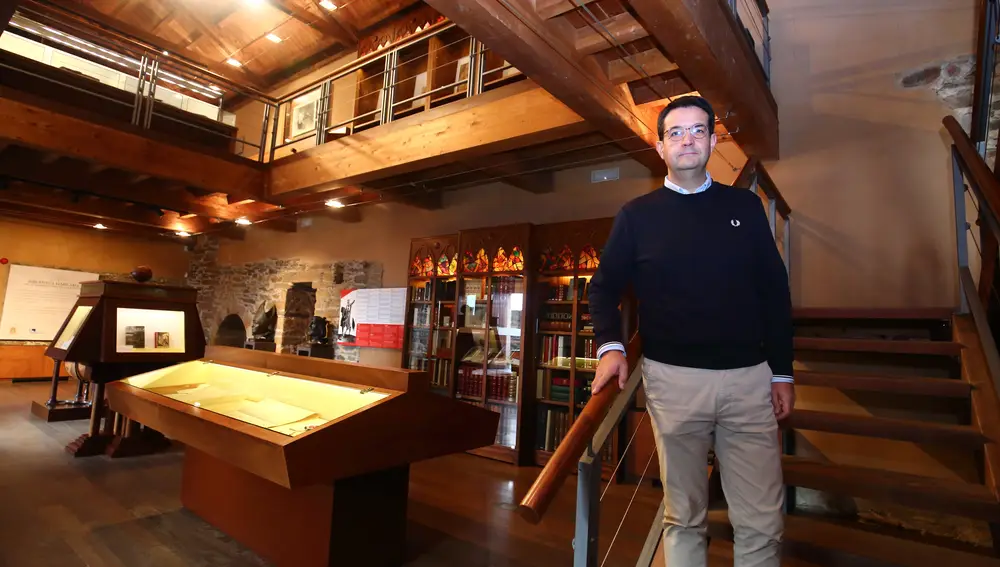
(241, 289)
(953, 82)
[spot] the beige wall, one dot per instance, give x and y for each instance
(864, 163)
(89, 250)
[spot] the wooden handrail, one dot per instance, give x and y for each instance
(764, 181)
(568, 453)
(974, 166)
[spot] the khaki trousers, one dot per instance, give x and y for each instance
(687, 407)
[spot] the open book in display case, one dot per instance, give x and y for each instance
(304, 460)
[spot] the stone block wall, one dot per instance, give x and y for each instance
(241, 289)
(953, 82)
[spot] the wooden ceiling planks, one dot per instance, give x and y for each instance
(210, 33)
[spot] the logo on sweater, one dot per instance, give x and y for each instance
(734, 222)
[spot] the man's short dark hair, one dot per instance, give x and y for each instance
(686, 102)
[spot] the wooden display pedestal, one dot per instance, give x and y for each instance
(267, 346)
(358, 521)
(316, 351)
(62, 411)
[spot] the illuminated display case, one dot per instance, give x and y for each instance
(118, 329)
(273, 437)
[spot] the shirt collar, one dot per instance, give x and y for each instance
(674, 187)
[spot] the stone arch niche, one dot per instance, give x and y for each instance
(231, 332)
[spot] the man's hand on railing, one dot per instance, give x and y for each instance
(782, 398)
(612, 364)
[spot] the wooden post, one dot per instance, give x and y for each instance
(55, 385)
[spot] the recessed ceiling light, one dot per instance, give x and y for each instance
(100, 226)
(255, 2)
(243, 221)
(182, 233)
(328, 5)
(234, 62)
(334, 204)
(166, 53)
(273, 38)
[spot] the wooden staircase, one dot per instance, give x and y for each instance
(929, 357)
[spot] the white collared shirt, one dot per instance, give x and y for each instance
(675, 187)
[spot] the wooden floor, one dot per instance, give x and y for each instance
(56, 511)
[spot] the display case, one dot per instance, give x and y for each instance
(566, 360)
(277, 443)
(114, 330)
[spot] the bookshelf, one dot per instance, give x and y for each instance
(493, 282)
(566, 360)
(431, 324)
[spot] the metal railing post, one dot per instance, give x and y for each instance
(772, 216)
(961, 224)
(388, 87)
(472, 85)
(274, 132)
(767, 49)
(154, 72)
(588, 509)
(325, 92)
(263, 133)
(137, 106)
(788, 245)
(985, 65)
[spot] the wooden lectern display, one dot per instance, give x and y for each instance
(119, 329)
(304, 460)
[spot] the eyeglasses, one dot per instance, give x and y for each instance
(698, 132)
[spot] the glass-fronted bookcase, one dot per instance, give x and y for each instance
(429, 337)
(506, 326)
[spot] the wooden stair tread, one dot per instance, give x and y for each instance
(822, 537)
(937, 348)
(943, 387)
(886, 428)
(899, 314)
(942, 495)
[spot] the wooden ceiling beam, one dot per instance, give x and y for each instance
(51, 199)
(35, 126)
(622, 28)
(513, 29)
(708, 43)
(507, 118)
(652, 62)
(116, 185)
(549, 9)
(659, 87)
(7, 8)
(62, 218)
(324, 23)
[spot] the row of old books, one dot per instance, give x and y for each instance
(503, 386)
(555, 346)
(577, 288)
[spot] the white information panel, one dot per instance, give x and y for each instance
(38, 300)
(149, 330)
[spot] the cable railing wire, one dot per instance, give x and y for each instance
(614, 538)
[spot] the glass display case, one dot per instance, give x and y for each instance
(271, 438)
(290, 406)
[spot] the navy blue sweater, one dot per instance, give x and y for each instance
(712, 288)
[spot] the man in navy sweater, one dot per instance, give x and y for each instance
(716, 329)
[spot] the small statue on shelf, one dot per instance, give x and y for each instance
(265, 322)
(318, 331)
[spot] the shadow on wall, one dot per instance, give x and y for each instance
(232, 332)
